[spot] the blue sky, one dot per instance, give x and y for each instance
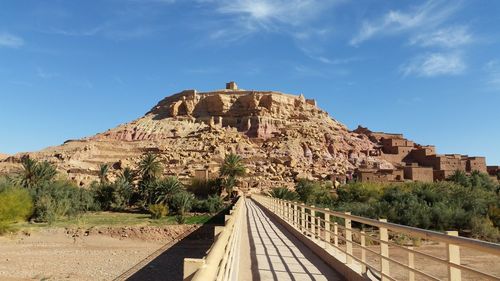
(430, 70)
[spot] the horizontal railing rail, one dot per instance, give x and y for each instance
(220, 258)
(322, 226)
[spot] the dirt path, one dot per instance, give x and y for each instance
(54, 254)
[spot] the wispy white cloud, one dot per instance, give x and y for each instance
(108, 31)
(435, 64)
(118, 80)
(250, 16)
(430, 14)
(10, 40)
(327, 73)
(296, 19)
(338, 61)
(307, 71)
(409, 100)
(266, 13)
(155, 1)
(492, 69)
(44, 74)
(450, 37)
(84, 32)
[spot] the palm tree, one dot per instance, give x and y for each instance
(459, 177)
(150, 168)
(229, 183)
(103, 173)
(34, 173)
(231, 168)
(127, 175)
(165, 189)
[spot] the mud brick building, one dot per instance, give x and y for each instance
(494, 172)
(416, 162)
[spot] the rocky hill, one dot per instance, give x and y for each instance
(282, 137)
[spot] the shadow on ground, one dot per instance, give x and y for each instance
(169, 264)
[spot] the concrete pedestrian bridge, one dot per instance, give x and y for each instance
(266, 238)
(270, 239)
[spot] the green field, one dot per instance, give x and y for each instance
(115, 219)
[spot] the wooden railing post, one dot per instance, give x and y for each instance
(288, 212)
(384, 251)
(285, 210)
(327, 227)
(295, 215)
(348, 237)
(454, 258)
(282, 209)
(363, 252)
(411, 264)
(302, 217)
(313, 224)
(336, 234)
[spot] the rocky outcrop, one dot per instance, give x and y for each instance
(282, 137)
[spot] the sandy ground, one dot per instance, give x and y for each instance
(59, 254)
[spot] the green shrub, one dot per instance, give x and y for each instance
(360, 192)
(284, 193)
(182, 202)
(158, 211)
(213, 204)
(438, 206)
(45, 209)
(313, 192)
(60, 198)
(494, 214)
(180, 219)
(113, 196)
(165, 189)
(205, 188)
(476, 180)
(306, 189)
(15, 205)
(104, 195)
(483, 228)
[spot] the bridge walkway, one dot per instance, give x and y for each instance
(269, 252)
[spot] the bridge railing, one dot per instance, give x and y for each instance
(352, 239)
(221, 261)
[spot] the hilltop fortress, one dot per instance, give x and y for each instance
(281, 137)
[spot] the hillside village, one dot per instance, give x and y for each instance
(281, 137)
